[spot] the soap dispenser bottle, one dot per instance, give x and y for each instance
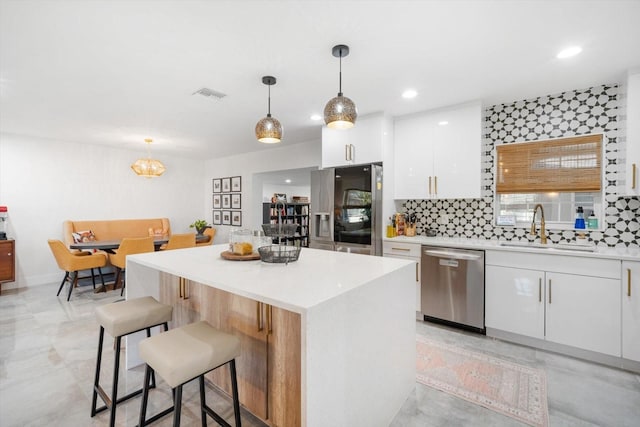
(579, 224)
(592, 221)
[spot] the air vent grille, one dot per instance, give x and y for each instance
(209, 93)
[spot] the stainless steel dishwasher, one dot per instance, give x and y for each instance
(453, 287)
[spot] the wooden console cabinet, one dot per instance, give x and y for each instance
(7, 261)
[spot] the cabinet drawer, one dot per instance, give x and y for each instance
(578, 265)
(401, 249)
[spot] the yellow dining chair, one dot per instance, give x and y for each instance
(72, 263)
(209, 232)
(179, 241)
(128, 246)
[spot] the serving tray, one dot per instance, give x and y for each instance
(235, 257)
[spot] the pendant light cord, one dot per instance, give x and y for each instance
(340, 78)
(269, 103)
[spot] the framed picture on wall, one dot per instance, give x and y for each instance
(236, 183)
(226, 185)
(236, 218)
(217, 217)
(236, 201)
(217, 201)
(217, 185)
(226, 217)
(226, 201)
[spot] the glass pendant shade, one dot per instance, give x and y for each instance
(148, 168)
(269, 129)
(340, 112)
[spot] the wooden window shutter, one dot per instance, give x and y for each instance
(558, 165)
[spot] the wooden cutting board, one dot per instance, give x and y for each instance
(235, 257)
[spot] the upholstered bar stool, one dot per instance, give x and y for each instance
(120, 319)
(184, 354)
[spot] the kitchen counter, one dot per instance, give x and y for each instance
(626, 254)
(356, 314)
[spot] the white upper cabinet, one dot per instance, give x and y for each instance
(632, 186)
(437, 154)
(363, 143)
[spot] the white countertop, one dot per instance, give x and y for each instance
(630, 254)
(315, 277)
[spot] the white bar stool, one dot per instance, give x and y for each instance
(184, 354)
(120, 319)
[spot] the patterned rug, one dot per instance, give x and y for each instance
(505, 387)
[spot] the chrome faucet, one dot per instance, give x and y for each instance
(543, 236)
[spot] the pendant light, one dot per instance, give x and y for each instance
(269, 129)
(148, 168)
(340, 112)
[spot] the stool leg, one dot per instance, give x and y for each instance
(203, 401)
(101, 276)
(153, 373)
(66, 276)
(114, 392)
(145, 396)
(93, 278)
(177, 403)
(234, 388)
(96, 381)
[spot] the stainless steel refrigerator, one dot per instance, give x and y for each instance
(346, 209)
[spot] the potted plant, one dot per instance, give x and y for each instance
(200, 225)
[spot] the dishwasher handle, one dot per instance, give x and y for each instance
(452, 255)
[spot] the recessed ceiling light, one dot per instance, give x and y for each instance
(443, 123)
(288, 181)
(569, 52)
(409, 93)
(316, 117)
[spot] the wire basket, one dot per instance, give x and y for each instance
(274, 230)
(278, 254)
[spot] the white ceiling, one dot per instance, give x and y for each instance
(116, 72)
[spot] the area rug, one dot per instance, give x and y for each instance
(505, 387)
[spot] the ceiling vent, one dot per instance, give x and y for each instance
(209, 93)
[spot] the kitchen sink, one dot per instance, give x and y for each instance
(551, 246)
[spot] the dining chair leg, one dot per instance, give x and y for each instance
(124, 281)
(73, 283)
(66, 276)
(101, 276)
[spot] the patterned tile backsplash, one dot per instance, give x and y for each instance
(579, 112)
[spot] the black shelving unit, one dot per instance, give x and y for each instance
(292, 213)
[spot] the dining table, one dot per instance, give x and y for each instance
(110, 246)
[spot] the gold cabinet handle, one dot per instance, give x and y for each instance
(429, 185)
(435, 185)
(417, 274)
(628, 282)
(351, 150)
(181, 287)
(269, 318)
(400, 249)
(633, 176)
(549, 291)
(259, 315)
(186, 289)
(540, 289)
(346, 151)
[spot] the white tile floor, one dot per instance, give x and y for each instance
(47, 360)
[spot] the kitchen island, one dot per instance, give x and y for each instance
(339, 327)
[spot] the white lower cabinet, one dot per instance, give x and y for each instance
(514, 300)
(409, 251)
(631, 310)
(565, 300)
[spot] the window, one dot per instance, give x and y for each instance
(560, 174)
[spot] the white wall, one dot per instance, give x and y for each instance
(302, 155)
(268, 190)
(44, 182)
